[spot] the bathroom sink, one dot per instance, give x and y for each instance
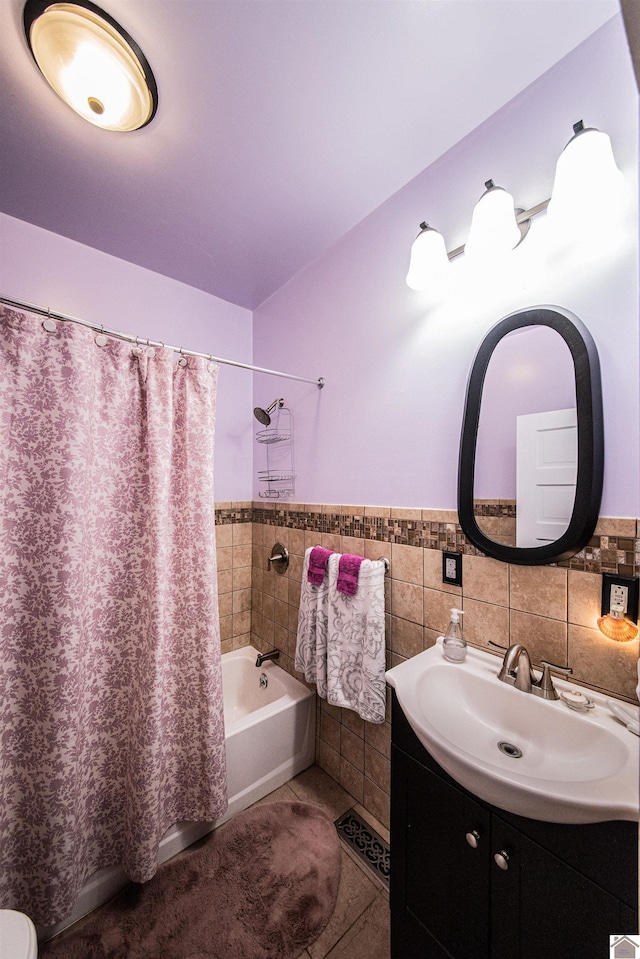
(529, 756)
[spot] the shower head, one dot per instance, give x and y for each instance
(262, 416)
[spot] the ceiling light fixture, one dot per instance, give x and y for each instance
(588, 184)
(92, 63)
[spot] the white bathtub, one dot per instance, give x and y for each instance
(270, 732)
(270, 738)
(269, 735)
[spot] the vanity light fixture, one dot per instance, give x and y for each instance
(587, 181)
(429, 261)
(494, 228)
(587, 185)
(92, 63)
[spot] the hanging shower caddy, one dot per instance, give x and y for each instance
(279, 475)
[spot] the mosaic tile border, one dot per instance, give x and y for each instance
(497, 508)
(603, 554)
(227, 515)
(383, 529)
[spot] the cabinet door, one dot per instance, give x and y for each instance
(446, 876)
(505, 893)
(542, 907)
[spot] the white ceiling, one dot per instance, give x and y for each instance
(281, 124)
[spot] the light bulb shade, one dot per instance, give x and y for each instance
(588, 185)
(620, 630)
(91, 63)
(494, 229)
(429, 262)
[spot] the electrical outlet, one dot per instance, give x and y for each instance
(619, 596)
(622, 591)
(452, 569)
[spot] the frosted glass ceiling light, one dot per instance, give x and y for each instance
(588, 184)
(429, 262)
(494, 228)
(91, 63)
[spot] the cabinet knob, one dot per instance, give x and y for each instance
(501, 859)
(473, 838)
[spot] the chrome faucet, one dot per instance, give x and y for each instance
(516, 671)
(263, 657)
(516, 668)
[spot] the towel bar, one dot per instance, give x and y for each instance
(383, 559)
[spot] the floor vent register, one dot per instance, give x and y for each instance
(366, 843)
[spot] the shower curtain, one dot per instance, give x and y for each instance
(111, 717)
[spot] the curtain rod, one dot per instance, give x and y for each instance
(45, 311)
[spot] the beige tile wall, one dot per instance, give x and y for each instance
(355, 753)
(233, 552)
(553, 610)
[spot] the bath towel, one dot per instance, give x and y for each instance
(348, 571)
(355, 642)
(311, 642)
(317, 564)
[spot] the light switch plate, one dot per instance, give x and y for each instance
(452, 569)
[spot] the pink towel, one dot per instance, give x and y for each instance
(348, 570)
(318, 564)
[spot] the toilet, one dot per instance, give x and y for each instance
(18, 938)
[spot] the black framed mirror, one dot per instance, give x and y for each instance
(532, 442)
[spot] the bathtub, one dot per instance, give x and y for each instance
(270, 731)
(270, 738)
(269, 735)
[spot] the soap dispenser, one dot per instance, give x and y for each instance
(454, 646)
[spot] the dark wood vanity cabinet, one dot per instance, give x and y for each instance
(565, 890)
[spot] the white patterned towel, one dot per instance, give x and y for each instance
(311, 643)
(341, 639)
(356, 642)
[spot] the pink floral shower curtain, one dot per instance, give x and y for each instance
(111, 717)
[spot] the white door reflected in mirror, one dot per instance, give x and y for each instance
(547, 469)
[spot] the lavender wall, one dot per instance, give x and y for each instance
(386, 428)
(50, 270)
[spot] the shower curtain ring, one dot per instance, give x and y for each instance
(49, 324)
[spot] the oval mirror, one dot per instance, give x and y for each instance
(532, 450)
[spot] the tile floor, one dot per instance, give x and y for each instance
(359, 927)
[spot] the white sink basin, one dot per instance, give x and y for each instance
(575, 767)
